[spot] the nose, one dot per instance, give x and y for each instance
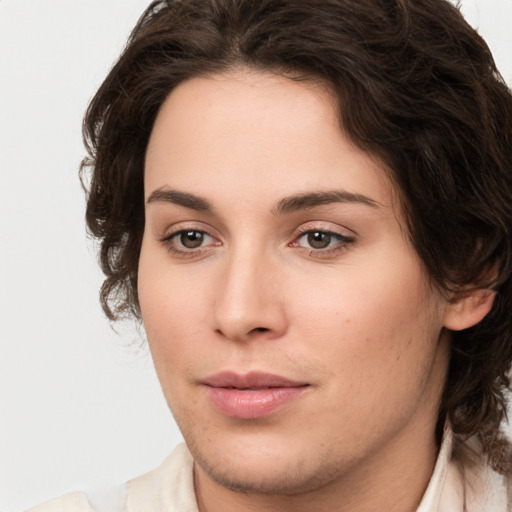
(248, 302)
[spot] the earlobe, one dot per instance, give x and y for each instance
(468, 309)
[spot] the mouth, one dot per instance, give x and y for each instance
(252, 395)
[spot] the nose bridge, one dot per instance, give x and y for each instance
(246, 303)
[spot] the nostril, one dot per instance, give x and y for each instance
(260, 329)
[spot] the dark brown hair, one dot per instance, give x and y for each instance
(417, 87)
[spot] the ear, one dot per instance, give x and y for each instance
(468, 308)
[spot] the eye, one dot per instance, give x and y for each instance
(318, 239)
(191, 239)
(322, 241)
(188, 241)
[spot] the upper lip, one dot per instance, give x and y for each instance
(251, 380)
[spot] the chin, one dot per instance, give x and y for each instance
(263, 465)
(268, 478)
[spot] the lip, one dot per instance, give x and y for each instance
(252, 395)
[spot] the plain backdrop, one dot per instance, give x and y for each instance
(80, 406)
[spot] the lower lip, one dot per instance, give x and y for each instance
(252, 403)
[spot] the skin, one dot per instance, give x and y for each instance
(357, 320)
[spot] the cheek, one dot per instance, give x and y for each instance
(171, 310)
(368, 324)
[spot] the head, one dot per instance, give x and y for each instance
(399, 106)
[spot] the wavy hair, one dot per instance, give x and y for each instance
(416, 86)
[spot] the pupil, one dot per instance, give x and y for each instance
(191, 239)
(319, 240)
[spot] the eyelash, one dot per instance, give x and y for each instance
(168, 242)
(343, 242)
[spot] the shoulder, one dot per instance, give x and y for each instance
(483, 489)
(169, 487)
(72, 502)
(111, 499)
(509, 491)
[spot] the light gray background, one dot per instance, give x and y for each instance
(80, 406)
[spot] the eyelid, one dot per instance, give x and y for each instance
(345, 237)
(178, 227)
(167, 239)
(174, 234)
(325, 227)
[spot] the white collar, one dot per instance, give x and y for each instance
(453, 488)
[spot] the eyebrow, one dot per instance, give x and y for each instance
(184, 199)
(286, 205)
(314, 199)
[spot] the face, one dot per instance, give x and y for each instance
(292, 326)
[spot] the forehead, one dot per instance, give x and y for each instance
(253, 132)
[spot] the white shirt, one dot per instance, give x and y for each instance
(170, 488)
